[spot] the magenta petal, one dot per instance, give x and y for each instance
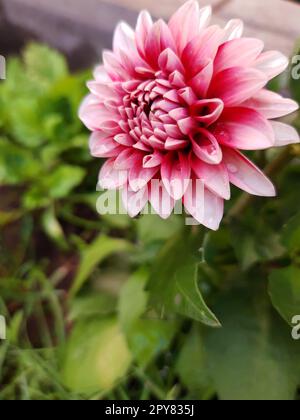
(175, 144)
(236, 85)
(127, 159)
(153, 160)
(245, 175)
(244, 128)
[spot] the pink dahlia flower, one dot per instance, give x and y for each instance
(176, 103)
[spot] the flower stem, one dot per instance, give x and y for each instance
(273, 168)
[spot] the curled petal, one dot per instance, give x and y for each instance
(244, 128)
(271, 105)
(206, 147)
(245, 175)
(207, 111)
(127, 159)
(284, 134)
(153, 160)
(271, 63)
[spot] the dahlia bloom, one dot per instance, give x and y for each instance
(177, 103)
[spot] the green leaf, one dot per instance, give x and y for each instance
(284, 289)
(95, 357)
(174, 282)
(91, 306)
(188, 300)
(192, 365)
(253, 357)
(53, 186)
(17, 165)
(133, 299)
(94, 254)
(255, 244)
(152, 228)
(44, 65)
(291, 234)
(149, 337)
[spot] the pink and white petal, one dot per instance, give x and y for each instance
(236, 85)
(214, 177)
(128, 158)
(159, 38)
(184, 24)
(161, 201)
(93, 113)
(143, 28)
(114, 68)
(245, 129)
(238, 52)
(233, 30)
(134, 202)
(284, 134)
(175, 174)
(100, 74)
(271, 105)
(245, 175)
(206, 147)
(200, 50)
(271, 63)
(152, 160)
(201, 81)
(168, 62)
(111, 178)
(124, 38)
(103, 147)
(139, 176)
(103, 90)
(204, 206)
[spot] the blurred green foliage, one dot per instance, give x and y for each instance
(114, 308)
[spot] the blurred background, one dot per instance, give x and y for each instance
(89, 301)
